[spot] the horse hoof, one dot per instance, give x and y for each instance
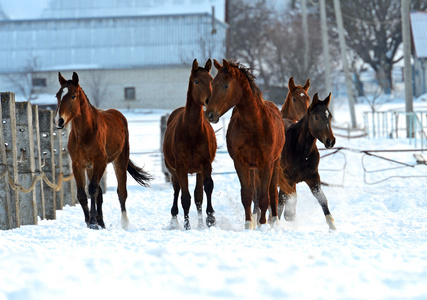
(330, 222)
(93, 226)
(249, 225)
(210, 221)
(289, 217)
(187, 224)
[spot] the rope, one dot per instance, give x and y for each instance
(17, 187)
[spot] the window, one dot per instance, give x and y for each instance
(39, 82)
(130, 93)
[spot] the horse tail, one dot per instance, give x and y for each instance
(283, 181)
(141, 176)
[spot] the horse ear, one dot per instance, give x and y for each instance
(226, 64)
(328, 100)
(217, 65)
(75, 78)
(315, 100)
(195, 65)
(291, 84)
(307, 85)
(208, 65)
(61, 79)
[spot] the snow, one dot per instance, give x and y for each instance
(378, 251)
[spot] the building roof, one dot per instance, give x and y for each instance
(108, 8)
(419, 33)
(109, 42)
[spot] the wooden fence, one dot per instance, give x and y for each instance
(35, 168)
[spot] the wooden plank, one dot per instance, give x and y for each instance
(48, 160)
(26, 163)
(420, 159)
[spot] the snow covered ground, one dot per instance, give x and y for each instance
(378, 252)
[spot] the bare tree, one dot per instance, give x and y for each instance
(374, 32)
(23, 81)
(98, 86)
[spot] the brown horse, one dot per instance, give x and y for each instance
(300, 158)
(297, 101)
(189, 147)
(255, 137)
(96, 138)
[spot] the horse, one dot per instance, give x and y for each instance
(96, 138)
(189, 147)
(255, 137)
(297, 101)
(300, 158)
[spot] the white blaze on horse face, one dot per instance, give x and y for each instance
(57, 116)
(302, 94)
(327, 113)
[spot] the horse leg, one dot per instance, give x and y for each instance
(273, 192)
(185, 195)
(120, 169)
(316, 190)
(245, 193)
(174, 209)
(265, 177)
(256, 212)
(99, 202)
(208, 186)
(79, 176)
(290, 203)
(95, 176)
(198, 197)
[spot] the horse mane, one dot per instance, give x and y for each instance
(248, 74)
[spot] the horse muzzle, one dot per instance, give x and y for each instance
(59, 124)
(212, 117)
(329, 143)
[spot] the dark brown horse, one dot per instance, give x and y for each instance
(189, 147)
(297, 101)
(255, 137)
(96, 138)
(300, 157)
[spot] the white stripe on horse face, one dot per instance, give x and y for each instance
(327, 113)
(64, 92)
(302, 94)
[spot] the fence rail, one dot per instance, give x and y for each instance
(396, 124)
(35, 170)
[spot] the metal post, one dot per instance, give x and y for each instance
(406, 37)
(348, 82)
(326, 59)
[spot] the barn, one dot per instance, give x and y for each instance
(128, 54)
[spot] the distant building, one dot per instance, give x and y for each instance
(124, 60)
(419, 39)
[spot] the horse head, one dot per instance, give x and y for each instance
(68, 98)
(319, 118)
(297, 100)
(201, 82)
(225, 90)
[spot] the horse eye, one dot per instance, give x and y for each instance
(226, 86)
(316, 117)
(293, 99)
(74, 97)
(196, 82)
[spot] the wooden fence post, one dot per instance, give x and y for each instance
(48, 160)
(57, 133)
(26, 163)
(41, 211)
(163, 125)
(67, 186)
(6, 220)
(9, 133)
